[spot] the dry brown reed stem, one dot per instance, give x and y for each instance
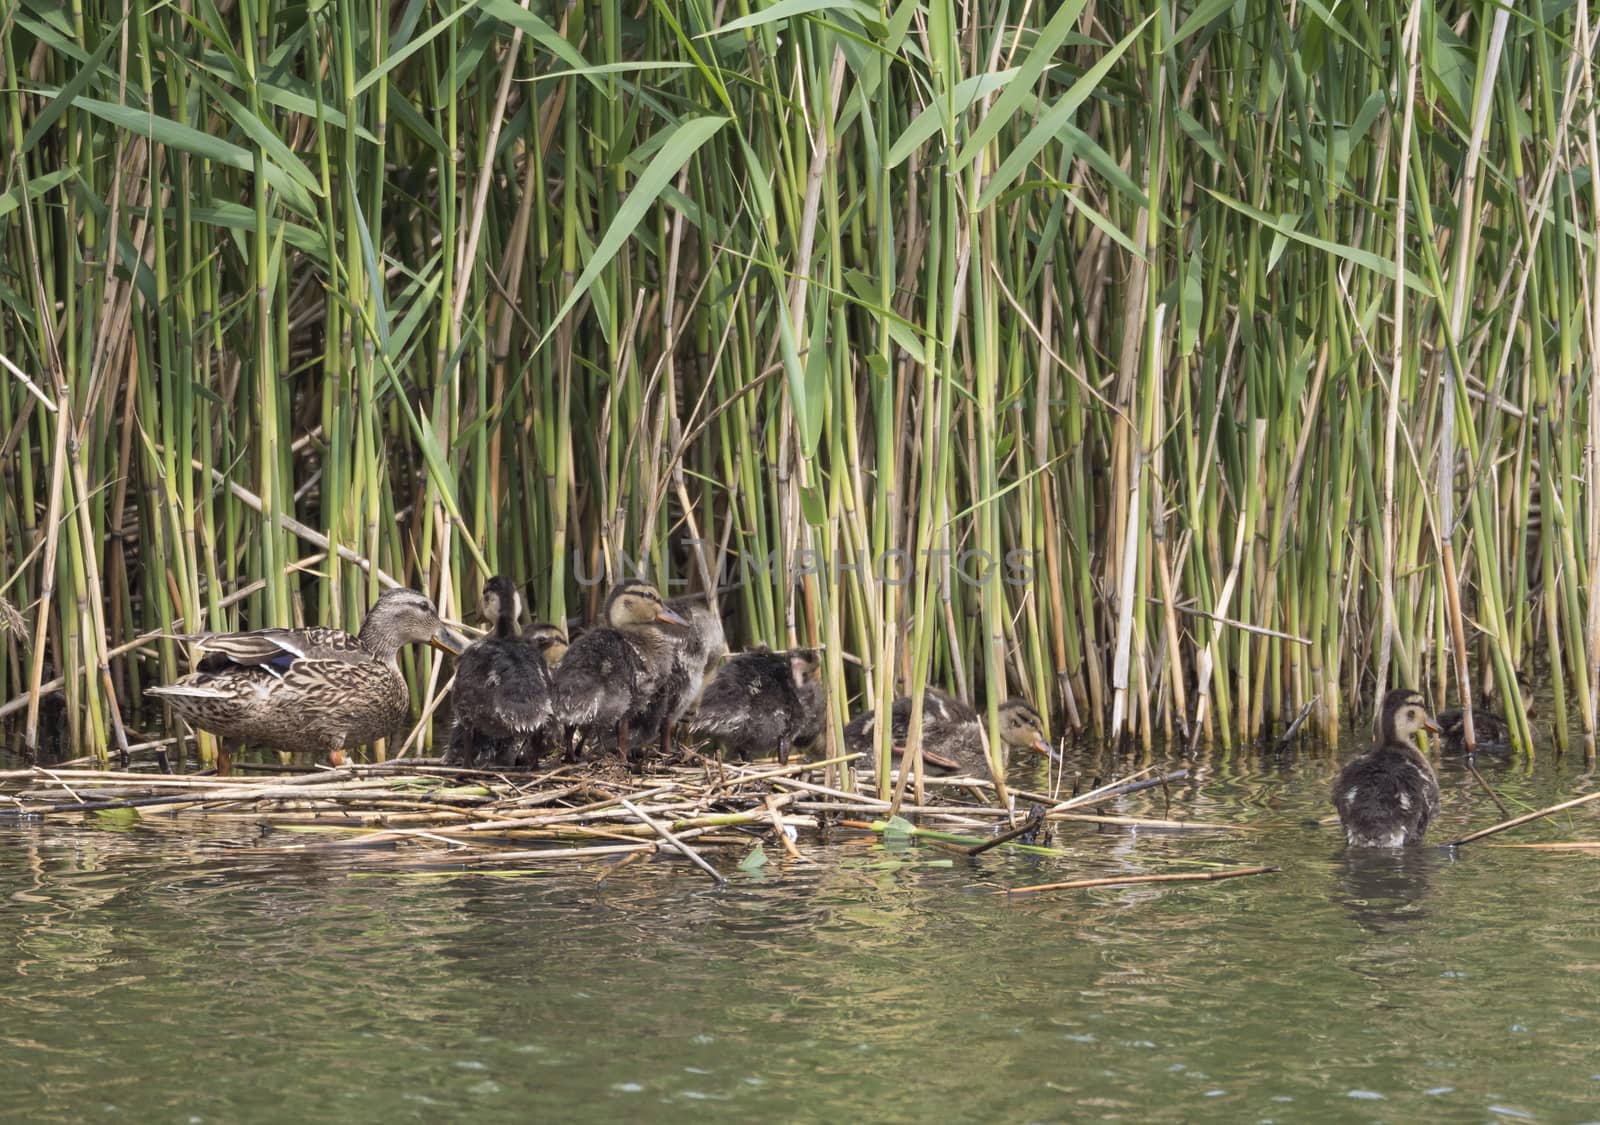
(683, 849)
(1135, 880)
(781, 771)
(779, 828)
(1523, 819)
(1493, 796)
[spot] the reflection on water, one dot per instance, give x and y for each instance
(1386, 889)
(190, 971)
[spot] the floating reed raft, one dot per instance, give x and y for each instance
(424, 813)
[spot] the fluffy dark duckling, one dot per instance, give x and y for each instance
(1387, 796)
(316, 689)
(764, 701)
(952, 733)
(1493, 732)
(503, 692)
(617, 674)
(701, 649)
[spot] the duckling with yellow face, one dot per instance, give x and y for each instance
(617, 674)
(1387, 796)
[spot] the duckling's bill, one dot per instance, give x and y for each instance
(672, 616)
(1040, 746)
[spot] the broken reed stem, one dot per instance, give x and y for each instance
(1524, 819)
(1134, 880)
(1493, 796)
(1029, 825)
(773, 805)
(666, 834)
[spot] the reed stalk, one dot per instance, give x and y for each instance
(1157, 322)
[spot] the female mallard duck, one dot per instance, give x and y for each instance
(617, 674)
(764, 701)
(1387, 796)
(315, 689)
(952, 733)
(504, 713)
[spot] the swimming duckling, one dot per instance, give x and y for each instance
(504, 711)
(763, 701)
(952, 738)
(315, 689)
(615, 675)
(1491, 731)
(1387, 796)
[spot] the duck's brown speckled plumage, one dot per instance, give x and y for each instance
(762, 702)
(315, 689)
(504, 713)
(952, 733)
(1387, 796)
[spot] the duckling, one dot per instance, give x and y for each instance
(701, 648)
(665, 675)
(316, 689)
(952, 739)
(503, 687)
(617, 674)
(1491, 731)
(761, 701)
(1387, 796)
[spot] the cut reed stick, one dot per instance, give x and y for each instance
(666, 834)
(1524, 819)
(1135, 880)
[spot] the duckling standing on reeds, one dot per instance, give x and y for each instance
(315, 689)
(503, 693)
(1387, 796)
(952, 733)
(664, 674)
(764, 701)
(616, 674)
(700, 650)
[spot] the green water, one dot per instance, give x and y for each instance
(182, 972)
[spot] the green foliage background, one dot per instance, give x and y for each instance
(1264, 331)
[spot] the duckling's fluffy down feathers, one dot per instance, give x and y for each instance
(763, 701)
(596, 685)
(1386, 798)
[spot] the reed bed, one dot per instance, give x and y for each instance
(430, 814)
(1177, 365)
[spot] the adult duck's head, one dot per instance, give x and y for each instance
(403, 617)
